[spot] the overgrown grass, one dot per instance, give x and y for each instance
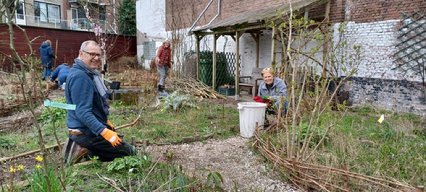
(18, 142)
(394, 149)
(156, 126)
(159, 126)
(132, 173)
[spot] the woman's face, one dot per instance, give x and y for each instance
(268, 78)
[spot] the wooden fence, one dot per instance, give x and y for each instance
(68, 42)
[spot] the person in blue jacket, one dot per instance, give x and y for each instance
(46, 55)
(88, 125)
(272, 89)
(60, 74)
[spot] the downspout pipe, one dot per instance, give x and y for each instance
(202, 13)
(217, 13)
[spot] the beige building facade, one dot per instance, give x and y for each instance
(68, 14)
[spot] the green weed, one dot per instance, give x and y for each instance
(7, 143)
(38, 181)
(52, 113)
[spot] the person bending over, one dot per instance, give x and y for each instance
(60, 74)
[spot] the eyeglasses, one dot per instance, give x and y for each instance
(93, 55)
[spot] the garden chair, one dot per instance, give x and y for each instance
(251, 82)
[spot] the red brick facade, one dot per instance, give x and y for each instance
(363, 11)
(68, 43)
(186, 11)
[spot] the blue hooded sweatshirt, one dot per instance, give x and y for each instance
(90, 115)
(61, 72)
(46, 54)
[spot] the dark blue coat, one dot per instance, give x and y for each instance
(90, 116)
(61, 72)
(46, 54)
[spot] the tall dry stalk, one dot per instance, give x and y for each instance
(31, 85)
(311, 90)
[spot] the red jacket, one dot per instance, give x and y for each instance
(164, 54)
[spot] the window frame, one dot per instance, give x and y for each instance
(46, 17)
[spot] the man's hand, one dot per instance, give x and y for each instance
(111, 137)
(110, 125)
(157, 60)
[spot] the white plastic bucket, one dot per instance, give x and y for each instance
(250, 114)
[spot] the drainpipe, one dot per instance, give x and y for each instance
(217, 13)
(202, 13)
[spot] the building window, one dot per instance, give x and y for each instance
(20, 10)
(79, 20)
(47, 12)
(102, 13)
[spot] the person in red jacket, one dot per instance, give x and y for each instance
(164, 63)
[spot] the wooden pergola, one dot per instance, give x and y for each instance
(252, 22)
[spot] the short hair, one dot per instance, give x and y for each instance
(48, 42)
(85, 44)
(267, 70)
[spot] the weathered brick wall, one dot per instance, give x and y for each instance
(398, 95)
(373, 25)
(377, 41)
(362, 11)
(182, 13)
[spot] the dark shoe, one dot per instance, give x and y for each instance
(159, 88)
(73, 153)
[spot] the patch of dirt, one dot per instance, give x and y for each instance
(22, 120)
(240, 168)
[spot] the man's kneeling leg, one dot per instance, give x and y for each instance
(73, 152)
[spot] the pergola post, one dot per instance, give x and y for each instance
(256, 37)
(273, 52)
(197, 50)
(326, 41)
(237, 66)
(215, 37)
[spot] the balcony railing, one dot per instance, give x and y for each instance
(81, 24)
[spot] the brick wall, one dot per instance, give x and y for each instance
(185, 12)
(362, 11)
(398, 95)
(377, 41)
(68, 43)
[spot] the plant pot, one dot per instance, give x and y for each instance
(115, 85)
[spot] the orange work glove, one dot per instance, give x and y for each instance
(111, 137)
(109, 123)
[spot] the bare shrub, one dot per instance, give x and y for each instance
(122, 64)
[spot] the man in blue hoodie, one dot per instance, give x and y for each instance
(88, 124)
(46, 55)
(60, 73)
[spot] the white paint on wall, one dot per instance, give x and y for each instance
(150, 25)
(377, 41)
(150, 18)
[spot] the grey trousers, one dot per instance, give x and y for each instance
(163, 71)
